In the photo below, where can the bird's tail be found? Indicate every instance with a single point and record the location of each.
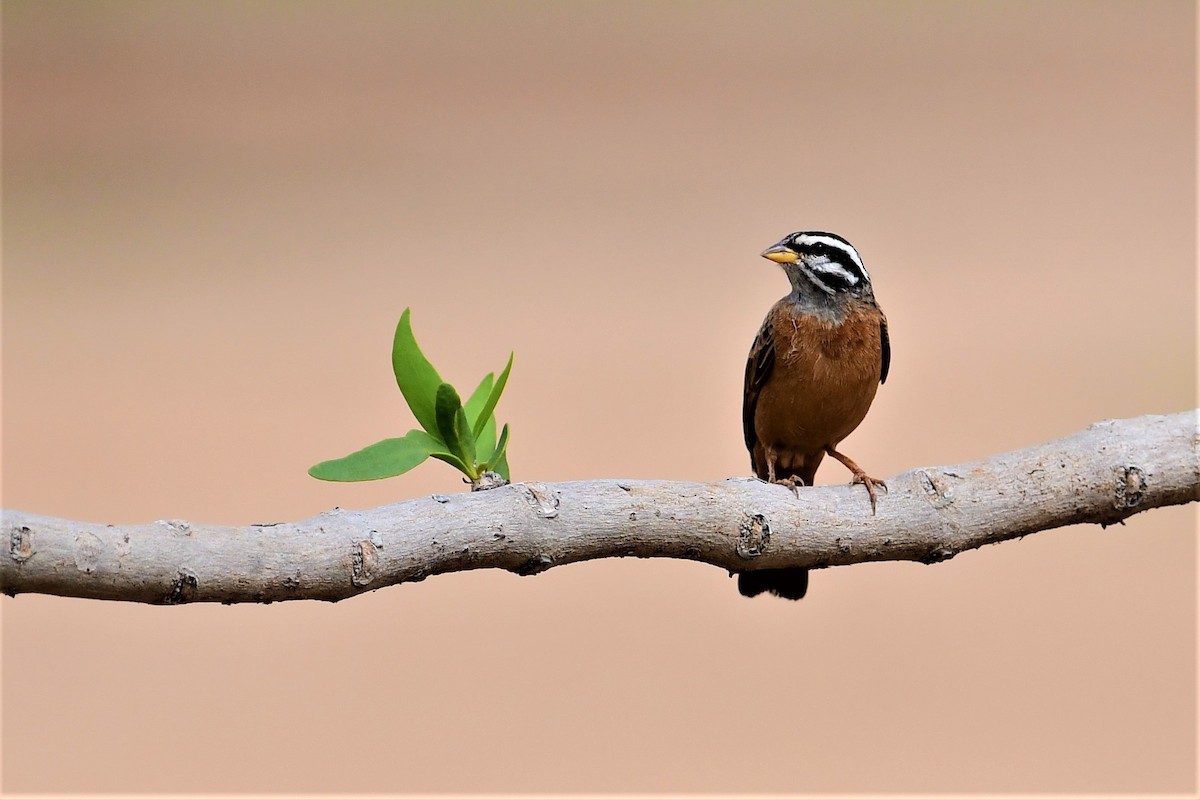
(790, 583)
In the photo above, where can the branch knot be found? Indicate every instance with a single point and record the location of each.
(1130, 487)
(754, 536)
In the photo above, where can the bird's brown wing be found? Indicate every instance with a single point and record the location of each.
(886, 347)
(758, 369)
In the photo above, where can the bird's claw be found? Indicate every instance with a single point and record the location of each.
(793, 482)
(870, 483)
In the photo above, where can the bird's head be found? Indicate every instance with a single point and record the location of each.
(822, 261)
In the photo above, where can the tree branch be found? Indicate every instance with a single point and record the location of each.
(1101, 475)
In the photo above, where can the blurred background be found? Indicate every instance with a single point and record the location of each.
(214, 214)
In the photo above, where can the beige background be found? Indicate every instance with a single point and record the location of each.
(215, 213)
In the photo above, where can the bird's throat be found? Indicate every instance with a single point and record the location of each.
(810, 299)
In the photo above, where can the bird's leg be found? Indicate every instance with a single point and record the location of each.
(791, 481)
(859, 475)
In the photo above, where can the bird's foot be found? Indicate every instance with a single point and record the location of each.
(869, 482)
(859, 475)
(793, 482)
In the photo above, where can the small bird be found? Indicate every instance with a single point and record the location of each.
(813, 370)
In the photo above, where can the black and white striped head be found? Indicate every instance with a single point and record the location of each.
(825, 260)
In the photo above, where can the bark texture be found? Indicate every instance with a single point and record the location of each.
(1101, 475)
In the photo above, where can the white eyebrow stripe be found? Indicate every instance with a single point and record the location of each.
(840, 245)
(834, 268)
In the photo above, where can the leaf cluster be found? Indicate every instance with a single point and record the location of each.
(463, 436)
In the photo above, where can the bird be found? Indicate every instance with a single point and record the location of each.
(815, 365)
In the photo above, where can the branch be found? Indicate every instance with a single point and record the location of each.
(1101, 475)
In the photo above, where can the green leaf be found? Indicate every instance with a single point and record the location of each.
(493, 398)
(455, 462)
(478, 397)
(485, 442)
(416, 377)
(381, 460)
(501, 467)
(485, 439)
(453, 427)
(441, 452)
(501, 453)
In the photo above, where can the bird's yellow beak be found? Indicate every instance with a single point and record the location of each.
(780, 254)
